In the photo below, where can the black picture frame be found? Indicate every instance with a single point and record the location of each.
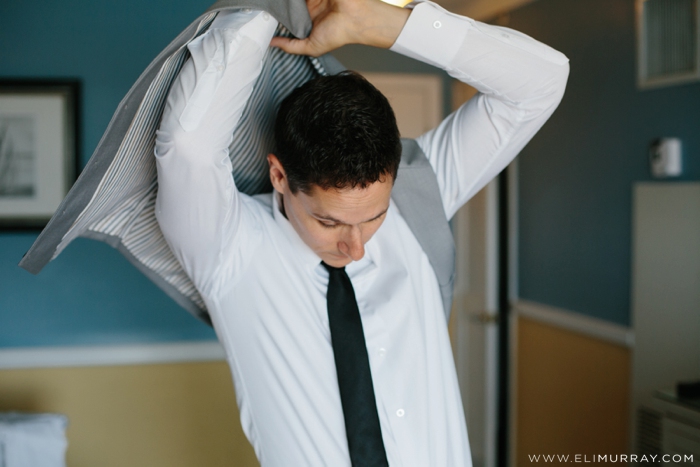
(39, 148)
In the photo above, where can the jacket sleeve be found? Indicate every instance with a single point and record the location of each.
(201, 213)
(520, 82)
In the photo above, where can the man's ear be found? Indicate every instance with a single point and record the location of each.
(278, 176)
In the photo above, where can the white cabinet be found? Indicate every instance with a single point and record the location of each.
(665, 292)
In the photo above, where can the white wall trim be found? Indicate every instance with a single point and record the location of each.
(572, 321)
(513, 227)
(136, 354)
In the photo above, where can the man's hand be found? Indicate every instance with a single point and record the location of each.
(340, 22)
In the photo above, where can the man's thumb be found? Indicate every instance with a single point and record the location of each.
(291, 46)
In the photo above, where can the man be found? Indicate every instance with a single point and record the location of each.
(266, 265)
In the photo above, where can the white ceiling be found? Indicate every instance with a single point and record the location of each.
(481, 9)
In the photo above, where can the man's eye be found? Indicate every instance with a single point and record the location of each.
(328, 226)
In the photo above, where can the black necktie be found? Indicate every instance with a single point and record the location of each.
(354, 377)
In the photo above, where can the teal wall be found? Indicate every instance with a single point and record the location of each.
(576, 175)
(91, 294)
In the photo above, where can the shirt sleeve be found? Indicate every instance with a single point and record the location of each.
(199, 210)
(520, 82)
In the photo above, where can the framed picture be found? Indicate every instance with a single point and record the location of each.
(38, 149)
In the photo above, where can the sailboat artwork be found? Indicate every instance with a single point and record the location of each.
(17, 157)
(38, 149)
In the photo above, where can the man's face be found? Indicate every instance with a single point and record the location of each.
(335, 223)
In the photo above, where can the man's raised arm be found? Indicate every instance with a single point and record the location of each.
(198, 206)
(521, 81)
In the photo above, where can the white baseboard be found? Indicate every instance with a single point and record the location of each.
(136, 354)
(576, 322)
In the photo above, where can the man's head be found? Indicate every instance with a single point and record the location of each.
(338, 152)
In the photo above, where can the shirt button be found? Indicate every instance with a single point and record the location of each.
(382, 352)
(437, 24)
(246, 10)
(220, 68)
(400, 413)
(266, 16)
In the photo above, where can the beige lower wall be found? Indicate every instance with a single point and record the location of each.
(169, 415)
(572, 398)
(572, 393)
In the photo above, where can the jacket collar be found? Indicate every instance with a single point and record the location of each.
(292, 14)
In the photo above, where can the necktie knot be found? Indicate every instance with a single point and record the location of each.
(332, 269)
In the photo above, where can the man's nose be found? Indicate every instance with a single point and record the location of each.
(352, 245)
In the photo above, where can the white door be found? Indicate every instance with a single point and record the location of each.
(474, 320)
(415, 98)
(473, 325)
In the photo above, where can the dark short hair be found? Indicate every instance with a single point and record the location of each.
(337, 132)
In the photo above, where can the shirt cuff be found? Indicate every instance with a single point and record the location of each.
(432, 35)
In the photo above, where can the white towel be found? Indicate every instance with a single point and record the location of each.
(32, 440)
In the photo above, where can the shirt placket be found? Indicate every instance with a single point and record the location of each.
(391, 410)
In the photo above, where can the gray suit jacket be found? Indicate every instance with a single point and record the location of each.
(114, 198)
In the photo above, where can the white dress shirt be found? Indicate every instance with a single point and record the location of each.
(265, 288)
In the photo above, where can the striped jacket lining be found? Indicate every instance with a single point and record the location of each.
(123, 206)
